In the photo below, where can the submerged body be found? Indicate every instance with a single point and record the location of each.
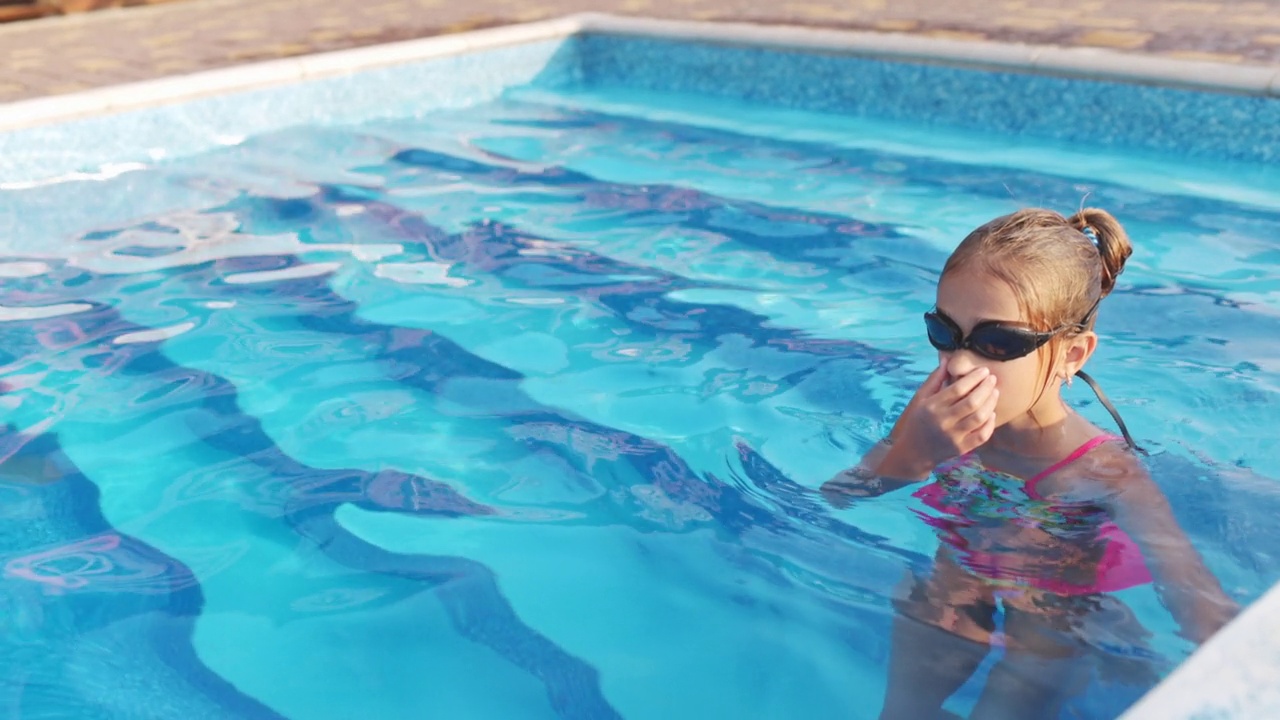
(1009, 532)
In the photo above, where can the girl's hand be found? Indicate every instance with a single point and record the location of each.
(941, 422)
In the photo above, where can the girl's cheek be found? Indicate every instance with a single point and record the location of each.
(1007, 384)
(1002, 405)
(1016, 383)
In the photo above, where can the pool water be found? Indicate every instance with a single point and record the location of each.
(517, 411)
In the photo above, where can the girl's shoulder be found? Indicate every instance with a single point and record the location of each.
(1099, 468)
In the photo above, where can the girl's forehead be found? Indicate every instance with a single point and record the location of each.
(970, 296)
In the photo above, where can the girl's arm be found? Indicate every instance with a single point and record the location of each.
(941, 422)
(1185, 584)
(877, 473)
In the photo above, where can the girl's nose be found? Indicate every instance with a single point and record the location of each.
(959, 364)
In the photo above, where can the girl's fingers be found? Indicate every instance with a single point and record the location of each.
(933, 383)
(986, 431)
(980, 415)
(988, 409)
(980, 436)
(963, 386)
(971, 402)
(924, 393)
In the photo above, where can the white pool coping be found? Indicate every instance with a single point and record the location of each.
(253, 76)
(1234, 675)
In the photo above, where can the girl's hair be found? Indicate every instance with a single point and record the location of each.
(1053, 264)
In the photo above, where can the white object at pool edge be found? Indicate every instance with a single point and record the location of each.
(1234, 675)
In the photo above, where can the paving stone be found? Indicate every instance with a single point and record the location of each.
(73, 52)
(1122, 39)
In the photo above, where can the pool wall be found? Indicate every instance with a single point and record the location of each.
(51, 138)
(1085, 96)
(987, 96)
(1073, 95)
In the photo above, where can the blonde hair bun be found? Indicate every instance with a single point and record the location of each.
(1111, 240)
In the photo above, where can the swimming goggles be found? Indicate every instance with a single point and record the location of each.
(993, 339)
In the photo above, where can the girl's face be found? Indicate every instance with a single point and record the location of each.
(969, 296)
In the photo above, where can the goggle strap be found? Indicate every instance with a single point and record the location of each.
(1115, 415)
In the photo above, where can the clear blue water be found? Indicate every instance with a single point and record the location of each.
(516, 411)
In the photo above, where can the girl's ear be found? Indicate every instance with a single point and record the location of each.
(1078, 351)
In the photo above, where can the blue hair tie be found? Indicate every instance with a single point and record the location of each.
(1089, 233)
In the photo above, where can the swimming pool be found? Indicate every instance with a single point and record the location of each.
(513, 409)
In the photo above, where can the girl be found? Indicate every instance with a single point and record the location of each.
(1040, 514)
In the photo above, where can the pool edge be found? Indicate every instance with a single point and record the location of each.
(1233, 675)
(113, 99)
(1069, 62)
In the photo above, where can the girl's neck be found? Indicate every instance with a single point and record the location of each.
(1043, 431)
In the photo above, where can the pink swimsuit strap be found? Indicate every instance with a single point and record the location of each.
(1074, 456)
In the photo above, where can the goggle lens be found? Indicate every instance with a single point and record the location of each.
(1000, 343)
(942, 335)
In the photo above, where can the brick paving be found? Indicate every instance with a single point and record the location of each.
(77, 52)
